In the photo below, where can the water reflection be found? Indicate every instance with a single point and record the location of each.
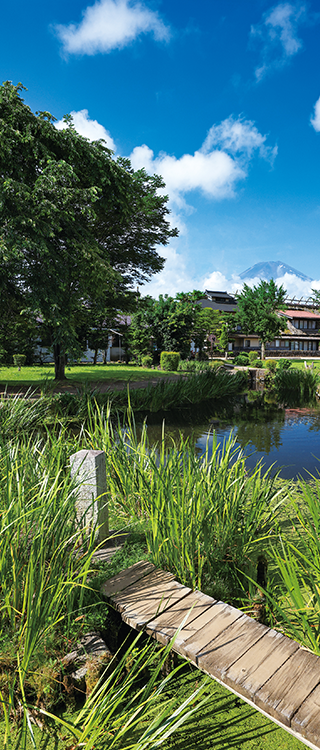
(288, 438)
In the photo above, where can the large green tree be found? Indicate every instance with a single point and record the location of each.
(76, 225)
(257, 311)
(166, 324)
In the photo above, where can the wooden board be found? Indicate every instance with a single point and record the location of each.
(266, 668)
(216, 621)
(164, 627)
(150, 596)
(283, 694)
(126, 578)
(252, 670)
(230, 644)
(307, 719)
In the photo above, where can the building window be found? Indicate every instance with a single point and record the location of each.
(247, 343)
(277, 342)
(287, 343)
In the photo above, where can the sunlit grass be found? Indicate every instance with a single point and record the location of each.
(38, 375)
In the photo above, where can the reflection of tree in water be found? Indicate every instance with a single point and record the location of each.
(264, 436)
(311, 418)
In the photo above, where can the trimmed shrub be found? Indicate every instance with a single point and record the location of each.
(169, 361)
(147, 360)
(242, 360)
(19, 360)
(271, 365)
(253, 356)
(258, 363)
(283, 364)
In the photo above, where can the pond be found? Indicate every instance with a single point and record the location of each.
(289, 439)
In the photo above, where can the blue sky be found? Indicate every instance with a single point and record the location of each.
(221, 97)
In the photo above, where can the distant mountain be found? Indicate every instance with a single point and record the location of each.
(272, 269)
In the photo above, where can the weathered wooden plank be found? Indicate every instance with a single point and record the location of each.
(152, 595)
(265, 667)
(282, 695)
(138, 593)
(215, 621)
(250, 672)
(164, 627)
(229, 645)
(307, 720)
(126, 578)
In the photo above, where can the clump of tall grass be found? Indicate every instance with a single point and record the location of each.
(41, 570)
(45, 568)
(22, 413)
(295, 593)
(193, 365)
(214, 383)
(205, 517)
(295, 387)
(126, 708)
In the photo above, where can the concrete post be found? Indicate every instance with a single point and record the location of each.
(89, 467)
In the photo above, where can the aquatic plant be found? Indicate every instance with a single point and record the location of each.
(203, 516)
(295, 387)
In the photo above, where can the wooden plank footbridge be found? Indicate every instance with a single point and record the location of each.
(268, 670)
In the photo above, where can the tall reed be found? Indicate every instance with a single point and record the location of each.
(295, 387)
(295, 593)
(201, 514)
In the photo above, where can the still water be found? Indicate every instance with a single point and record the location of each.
(289, 439)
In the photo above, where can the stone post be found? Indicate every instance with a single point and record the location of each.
(89, 467)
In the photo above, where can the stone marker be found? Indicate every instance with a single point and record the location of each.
(89, 467)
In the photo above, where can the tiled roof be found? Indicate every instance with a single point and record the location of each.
(301, 314)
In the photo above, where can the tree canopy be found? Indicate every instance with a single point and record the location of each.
(256, 311)
(172, 323)
(78, 228)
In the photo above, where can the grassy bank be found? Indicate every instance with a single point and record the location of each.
(38, 376)
(204, 518)
(25, 412)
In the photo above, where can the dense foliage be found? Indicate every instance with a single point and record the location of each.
(78, 227)
(256, 311)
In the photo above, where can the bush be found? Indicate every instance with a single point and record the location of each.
(193, 365)
(283, 364)
(242, 360)
(147, 360)
(253, 356)
(258, 363)
(271, 365)
(19, 360)
(169, 361)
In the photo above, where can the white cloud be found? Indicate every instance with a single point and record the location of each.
(220, 283)
(215, 168)
(315, 120)
(238, 136)
(278, 33)
(88, 128)
(175, 276)
(109, 25)
(297, 287)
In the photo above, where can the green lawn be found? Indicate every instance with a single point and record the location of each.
(38, 375)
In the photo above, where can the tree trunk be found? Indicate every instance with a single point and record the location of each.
(95, 356)
(263, 351)
(59, 362)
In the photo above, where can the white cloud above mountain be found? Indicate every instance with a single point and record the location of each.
(277, 33)
(108, 25)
